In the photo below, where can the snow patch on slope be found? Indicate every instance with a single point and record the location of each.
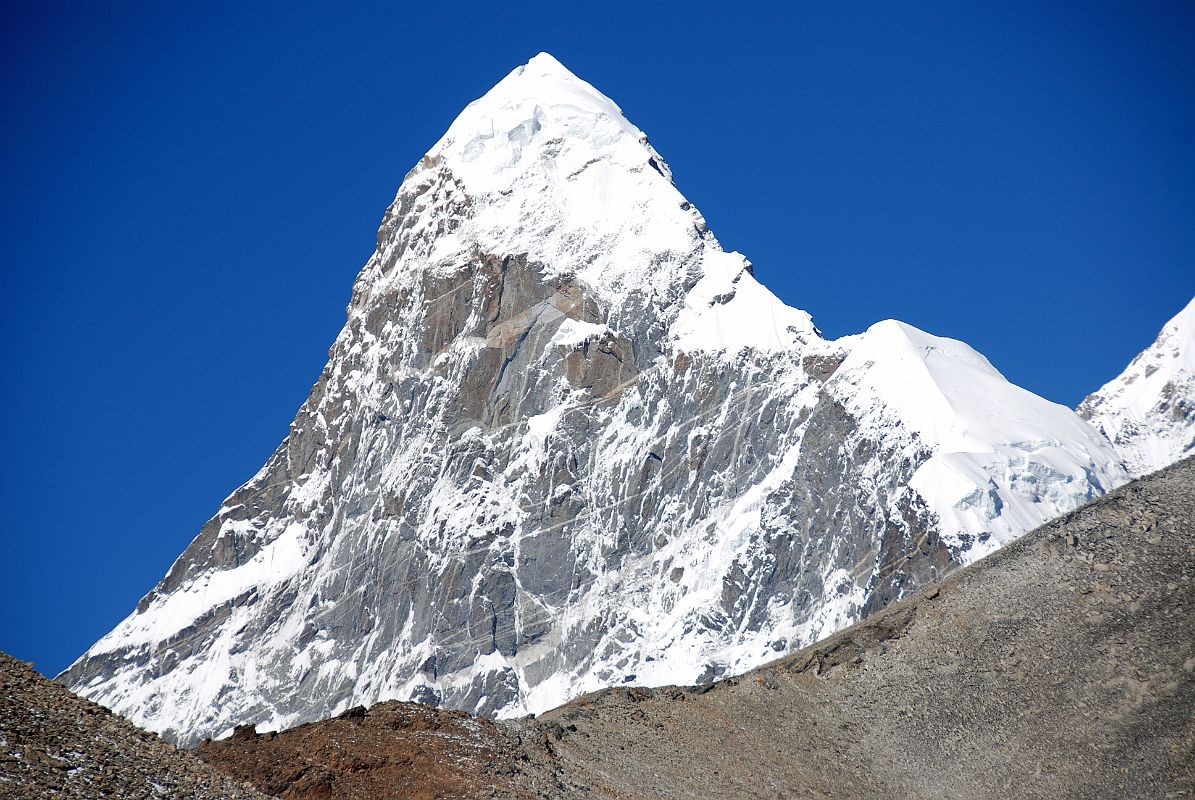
(170, 613)
(728, 310)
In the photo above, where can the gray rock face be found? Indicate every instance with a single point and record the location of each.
(566, 441)
(1061, 667)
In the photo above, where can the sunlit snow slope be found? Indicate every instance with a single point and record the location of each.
(564, 441)
(1148, 411)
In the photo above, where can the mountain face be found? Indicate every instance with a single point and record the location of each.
(566, 441)
(1009, 679)
(1148, 411)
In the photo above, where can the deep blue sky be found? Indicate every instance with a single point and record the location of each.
(188, 193)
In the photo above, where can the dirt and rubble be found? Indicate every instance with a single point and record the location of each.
(54, 744)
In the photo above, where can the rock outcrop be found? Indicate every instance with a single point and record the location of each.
(392, 750)
(54, 744)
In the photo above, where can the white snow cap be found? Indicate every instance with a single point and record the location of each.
(491, 141)
(551, 164)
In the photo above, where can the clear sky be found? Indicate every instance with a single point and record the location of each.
(190, 189)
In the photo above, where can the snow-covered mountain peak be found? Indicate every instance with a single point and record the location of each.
(540, 112)
(546, 166)
(565, 440)
(1148, 411)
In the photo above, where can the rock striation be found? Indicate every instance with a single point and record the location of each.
(566, 441)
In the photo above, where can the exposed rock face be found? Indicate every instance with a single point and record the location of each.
(1148, 411)
(1062, 666)
(54, 744)
(566, 441)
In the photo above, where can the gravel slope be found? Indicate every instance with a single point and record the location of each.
(55, 744)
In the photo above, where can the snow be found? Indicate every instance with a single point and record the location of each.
(1005, 460)
(1148, 411)
(573, 332)
(169, 614)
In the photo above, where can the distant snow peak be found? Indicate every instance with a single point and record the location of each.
(1003, 459)
(1148, 411)
(565, 440)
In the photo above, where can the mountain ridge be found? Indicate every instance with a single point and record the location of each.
(1148, 411)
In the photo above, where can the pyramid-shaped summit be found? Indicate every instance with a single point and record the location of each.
(552, 170)
(564, 441)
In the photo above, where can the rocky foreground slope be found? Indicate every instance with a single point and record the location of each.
(54, 744)
(1063, 666)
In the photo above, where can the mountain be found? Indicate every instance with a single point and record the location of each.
(565, 441)
(1148, 411)
(1062, 666)
(54, 744)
